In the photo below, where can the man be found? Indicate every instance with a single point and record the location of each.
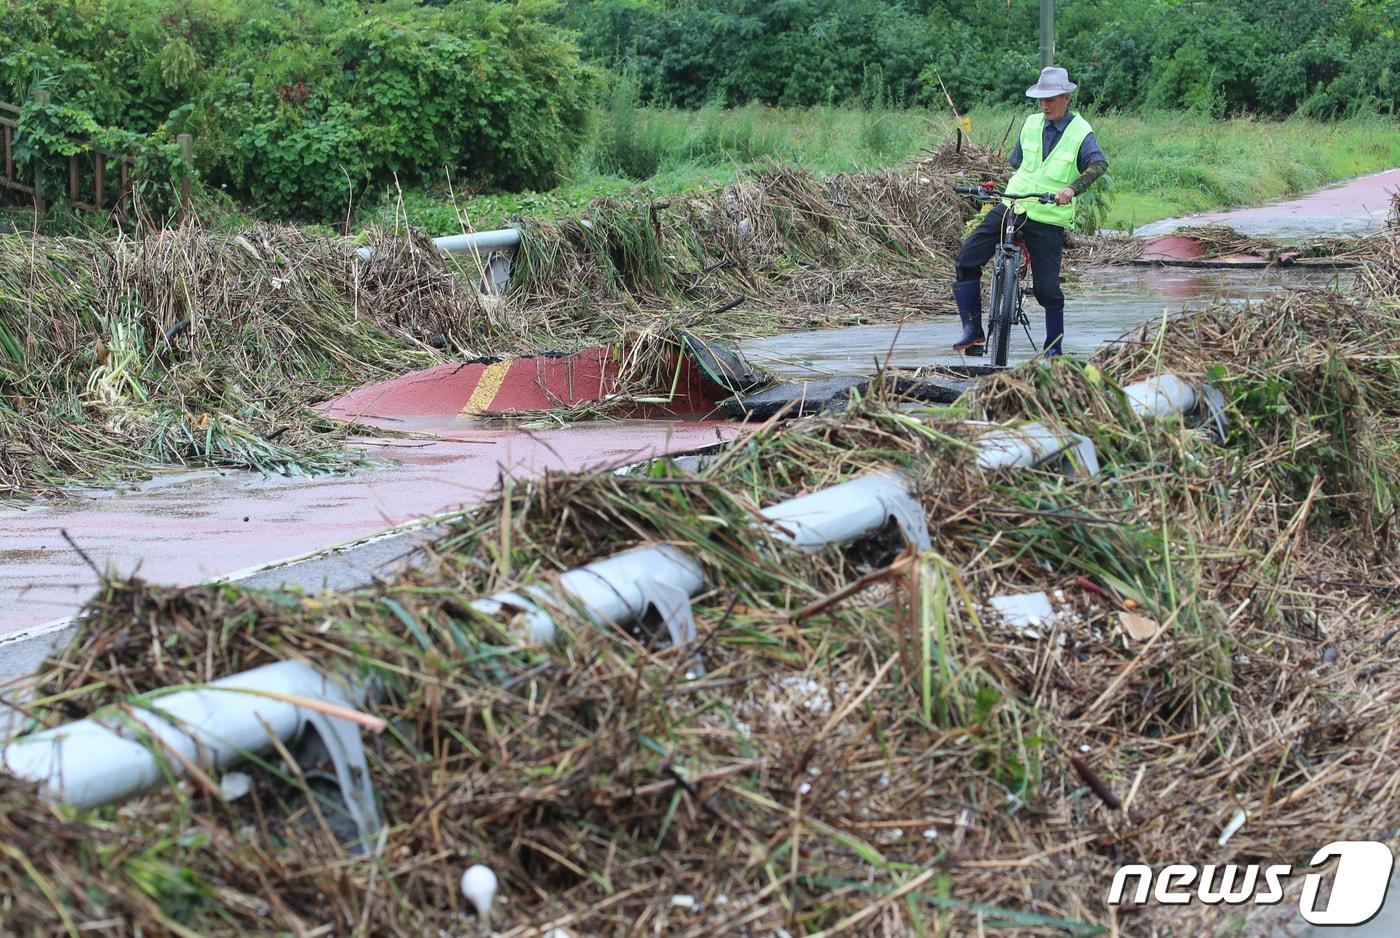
(1057, 153)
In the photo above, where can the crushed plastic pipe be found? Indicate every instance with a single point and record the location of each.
(1033, 444)
(122, 751)
(1161, 396)
(611, 591)
(661, 578)
(846, 511)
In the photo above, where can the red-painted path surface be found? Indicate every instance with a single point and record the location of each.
(194, 526)
(197, 526)
(513, 385)
(1176, 249)
(1352, 207)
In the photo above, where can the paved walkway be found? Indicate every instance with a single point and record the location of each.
(192, 526)
(1349, 208)
(1100, 307)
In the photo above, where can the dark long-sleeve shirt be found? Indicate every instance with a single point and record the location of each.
(1089, 152)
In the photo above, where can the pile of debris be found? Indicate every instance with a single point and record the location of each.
(197, 347)
(877, 244)
(1215, 243)
(192, 347)
(856, 742)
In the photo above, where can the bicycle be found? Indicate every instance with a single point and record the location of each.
(1010, 269)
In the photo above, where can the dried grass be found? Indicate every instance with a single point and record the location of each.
(192, 347)
(896, 761)
(1219, 241)
(784, 240)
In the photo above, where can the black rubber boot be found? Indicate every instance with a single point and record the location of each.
(968, 295)
(1054, 332)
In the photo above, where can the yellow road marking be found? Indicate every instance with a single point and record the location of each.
(491, 380)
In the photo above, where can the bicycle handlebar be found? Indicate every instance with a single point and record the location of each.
(989, 192)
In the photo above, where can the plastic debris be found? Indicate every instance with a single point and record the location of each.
(235, 785)
(479, 885)
(1024, 610)
(1236, 822)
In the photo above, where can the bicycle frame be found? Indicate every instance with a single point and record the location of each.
(1010, 263)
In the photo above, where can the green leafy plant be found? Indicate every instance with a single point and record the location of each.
(300, 106)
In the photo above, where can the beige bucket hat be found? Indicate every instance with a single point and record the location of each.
(1053, 81)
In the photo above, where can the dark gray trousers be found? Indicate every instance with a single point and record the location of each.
(1046, 244)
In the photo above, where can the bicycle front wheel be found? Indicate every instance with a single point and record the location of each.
(1003, 310)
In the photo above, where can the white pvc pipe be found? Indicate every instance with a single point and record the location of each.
(614, 590)
(475, 242)
(117, 753)
(1161, 396)
(539, 623)
(621, 588)
(479, 242)
(608, 589)
(1030, 444)
(846, 511)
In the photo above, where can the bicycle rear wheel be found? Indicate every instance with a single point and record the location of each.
(1003, 310)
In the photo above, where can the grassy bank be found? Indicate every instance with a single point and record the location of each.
(1162, 164)
(1169, 164)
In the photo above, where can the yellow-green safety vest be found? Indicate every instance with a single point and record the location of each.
(1048, 174)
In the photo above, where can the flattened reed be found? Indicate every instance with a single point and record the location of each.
(194, 347)
(886, 759)
(189, 347)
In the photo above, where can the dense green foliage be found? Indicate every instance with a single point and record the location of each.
(1324, 57)
(791, 52)
(311, 108)
(300, 105)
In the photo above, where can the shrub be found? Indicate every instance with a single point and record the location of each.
(634, 141)
(301, 104)
(1212, 56)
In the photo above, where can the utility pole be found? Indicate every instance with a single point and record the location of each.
(1047, 33)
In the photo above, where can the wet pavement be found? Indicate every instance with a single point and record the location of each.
(1104, 304)
(1101, 307)
(187, 527)
(1351, 208)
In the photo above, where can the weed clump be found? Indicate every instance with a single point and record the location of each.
(190, 347)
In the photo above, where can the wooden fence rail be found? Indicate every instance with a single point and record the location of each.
(102, 192)
(9, 123)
